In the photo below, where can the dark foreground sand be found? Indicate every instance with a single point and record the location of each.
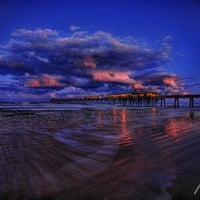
(99, 154)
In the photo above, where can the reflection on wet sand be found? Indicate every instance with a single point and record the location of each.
(114, 115)
(99, 154)
(178, 127)
(125, 136)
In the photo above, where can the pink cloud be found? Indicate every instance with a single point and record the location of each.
(137, 86)
(172, 81)
(170, 90)
(89, 62)
(44, 81)
(52, 95)
(113, 76)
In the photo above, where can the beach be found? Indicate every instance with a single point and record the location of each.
(99, 152)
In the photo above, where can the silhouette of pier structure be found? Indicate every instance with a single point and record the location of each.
(177, 98)
(138, 98)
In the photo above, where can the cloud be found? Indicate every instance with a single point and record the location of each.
(45, 60)
(89, 62)
(171, 81)
(168, 38)
(42, 33)
(74, 28)
(137, 86)
(162, 82)
(70, 91)
(113, 76)
(170, 90)
(85, 61)
(44, 81)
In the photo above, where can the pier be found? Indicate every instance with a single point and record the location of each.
(177, 99)
(138, 98)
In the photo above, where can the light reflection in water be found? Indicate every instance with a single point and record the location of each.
(126, 136)
(99, 114)
(153, 110)
(114, 115)
(177, 127)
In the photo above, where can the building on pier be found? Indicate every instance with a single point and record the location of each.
(137, 93)
(144, 94)
(120, 95)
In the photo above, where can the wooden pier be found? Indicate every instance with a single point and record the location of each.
(135, 99)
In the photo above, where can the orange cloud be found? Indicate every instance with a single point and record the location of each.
(89, 62)
(137, 86)
(109, 76)
(44, 81)
(170, 81)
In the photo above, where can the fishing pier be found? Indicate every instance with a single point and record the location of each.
(138, 98)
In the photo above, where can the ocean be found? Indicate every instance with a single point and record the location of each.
(99, 152)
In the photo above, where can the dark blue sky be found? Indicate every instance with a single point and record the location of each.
(66, 48)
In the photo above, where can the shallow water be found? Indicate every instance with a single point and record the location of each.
(99, 153)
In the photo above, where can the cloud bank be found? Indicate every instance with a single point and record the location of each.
(46, 64)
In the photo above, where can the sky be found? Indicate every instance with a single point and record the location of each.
(58, 49)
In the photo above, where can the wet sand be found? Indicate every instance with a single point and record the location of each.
(99, 153)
